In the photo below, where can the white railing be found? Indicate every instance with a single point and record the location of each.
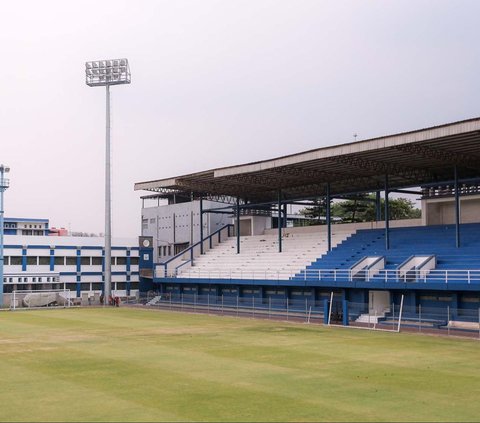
(31, 278)
(335, 275)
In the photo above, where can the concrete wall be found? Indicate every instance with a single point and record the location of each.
(441, 211)
(252, 225)
(179, 223)
(348, 227)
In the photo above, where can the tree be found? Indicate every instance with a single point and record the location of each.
(362, 209)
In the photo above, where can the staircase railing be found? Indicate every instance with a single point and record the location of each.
(185, 258)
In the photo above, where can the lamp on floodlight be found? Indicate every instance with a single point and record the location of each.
(4, 184)
(103, 73)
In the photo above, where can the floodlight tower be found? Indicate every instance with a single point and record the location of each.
(4, 184)
(103, 73)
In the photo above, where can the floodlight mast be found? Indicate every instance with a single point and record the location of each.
(4, 184)
(101, 73)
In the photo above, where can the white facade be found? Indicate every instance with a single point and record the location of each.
(177, 226)
(72, 263)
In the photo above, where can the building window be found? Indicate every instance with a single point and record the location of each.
(96, 261)
(16, 260)
(44, 261)
(121, 261)
(134, 261)
(59, 261)
(169, 250)
(71, 261)
(178, 248)
(32, 260)
(85, 261)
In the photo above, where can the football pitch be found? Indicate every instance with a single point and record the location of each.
(140, 365)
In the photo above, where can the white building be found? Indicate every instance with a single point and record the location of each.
(72, 263)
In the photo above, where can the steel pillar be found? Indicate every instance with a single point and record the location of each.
(457, 208)
(201, 225)
(328, 218)
(378, 207)
(238, 225)
(387, 216)
(279, 208)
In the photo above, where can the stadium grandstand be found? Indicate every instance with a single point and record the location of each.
(223, 232)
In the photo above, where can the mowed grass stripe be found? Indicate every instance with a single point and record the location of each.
(126, 364)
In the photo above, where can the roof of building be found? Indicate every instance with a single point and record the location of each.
(24, 219)
(410, 158)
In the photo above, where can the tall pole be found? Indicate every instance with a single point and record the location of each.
(2, 189)
(108, 203)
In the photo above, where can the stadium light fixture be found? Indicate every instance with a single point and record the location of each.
(103, 73)
(4, 184)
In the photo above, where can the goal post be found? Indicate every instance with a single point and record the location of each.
(395, 325)
(41, 298)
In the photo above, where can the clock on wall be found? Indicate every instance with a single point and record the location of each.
(146, 241)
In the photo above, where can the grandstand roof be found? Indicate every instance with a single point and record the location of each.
(410, 159)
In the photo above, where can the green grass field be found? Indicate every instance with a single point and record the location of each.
(141, 365)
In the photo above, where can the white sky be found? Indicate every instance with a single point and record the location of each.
(214, 83)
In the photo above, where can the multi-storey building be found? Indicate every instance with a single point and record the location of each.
(25, 226)
(72, 263)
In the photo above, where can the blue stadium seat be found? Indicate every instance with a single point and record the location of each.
(404, 242)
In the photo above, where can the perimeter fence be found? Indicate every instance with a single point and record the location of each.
(446, 320)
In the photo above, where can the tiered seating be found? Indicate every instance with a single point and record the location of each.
(259, 257)
(404, 242)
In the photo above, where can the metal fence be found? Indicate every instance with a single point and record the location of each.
(330, 311)
(333, 275)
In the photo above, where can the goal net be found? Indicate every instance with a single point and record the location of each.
(41, 298)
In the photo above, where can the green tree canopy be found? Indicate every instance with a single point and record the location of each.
(362, 209)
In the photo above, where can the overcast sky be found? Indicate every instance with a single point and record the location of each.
(214, 83)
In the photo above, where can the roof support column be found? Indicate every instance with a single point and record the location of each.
(238, 225)
(387, 216)
(201, 225)
(457, 207)
(378, 206)
(328, 218)
(279, 208)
